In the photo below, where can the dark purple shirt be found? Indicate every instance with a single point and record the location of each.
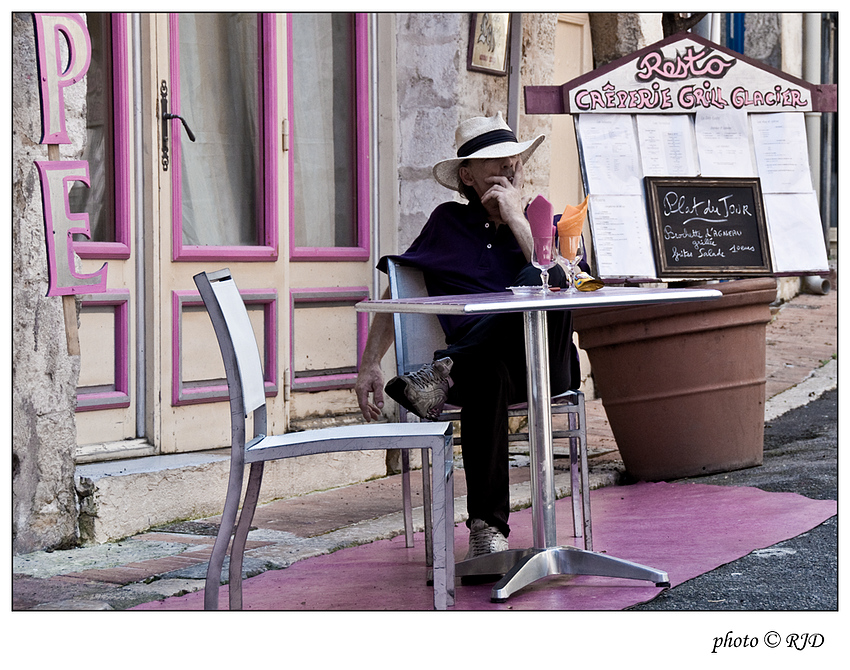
(461, 251)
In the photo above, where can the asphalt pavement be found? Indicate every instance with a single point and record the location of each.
(800, 574)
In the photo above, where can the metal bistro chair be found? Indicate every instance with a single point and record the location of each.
(247, 395)
(417, 337)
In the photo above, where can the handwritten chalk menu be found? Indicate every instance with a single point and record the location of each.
(705, 227)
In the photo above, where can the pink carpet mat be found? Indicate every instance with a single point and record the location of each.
(683, 529)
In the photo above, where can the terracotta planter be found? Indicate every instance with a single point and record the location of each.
(683, 385)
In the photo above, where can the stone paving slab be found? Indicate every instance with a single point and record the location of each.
(802, 336)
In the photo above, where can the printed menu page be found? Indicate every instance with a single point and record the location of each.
(610, 153)
(782, 153)
(723, 143)
(796, 235)
(667, 145)
(621, 237)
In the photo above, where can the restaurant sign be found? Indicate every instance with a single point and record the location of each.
(681, 75)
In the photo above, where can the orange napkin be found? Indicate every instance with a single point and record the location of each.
(572, 220)
(570, 225)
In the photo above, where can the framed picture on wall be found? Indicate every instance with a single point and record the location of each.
(488, 43)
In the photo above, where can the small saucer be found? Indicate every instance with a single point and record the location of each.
(525, 290)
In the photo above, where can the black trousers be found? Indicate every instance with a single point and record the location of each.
(489, 373)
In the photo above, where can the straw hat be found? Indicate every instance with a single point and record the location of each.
(482, 137)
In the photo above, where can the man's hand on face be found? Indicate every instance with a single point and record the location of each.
(503, 198)
(504, 202)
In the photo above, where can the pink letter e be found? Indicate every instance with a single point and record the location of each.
(60, 224)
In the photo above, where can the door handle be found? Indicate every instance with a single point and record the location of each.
(166, 117)
(189, 132)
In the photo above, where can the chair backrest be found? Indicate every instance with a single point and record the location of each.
(235, 335)
(417, 336)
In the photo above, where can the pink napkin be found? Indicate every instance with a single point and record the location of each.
(539, 215)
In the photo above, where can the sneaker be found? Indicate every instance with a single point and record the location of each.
(423, 392)
(485, 539)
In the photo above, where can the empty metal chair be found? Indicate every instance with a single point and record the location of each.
(247, 396)
(417, 337)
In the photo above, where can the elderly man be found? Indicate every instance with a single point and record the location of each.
(478, 247)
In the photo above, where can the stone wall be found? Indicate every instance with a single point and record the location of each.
(617, 34)
(763, 38)
(44, 376)
(436, 92)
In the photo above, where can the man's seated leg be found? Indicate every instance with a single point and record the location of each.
(483, 387)
(484, 391)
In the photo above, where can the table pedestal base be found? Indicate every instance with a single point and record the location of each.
(522, 567)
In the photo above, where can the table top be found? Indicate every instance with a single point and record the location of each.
(491, 303)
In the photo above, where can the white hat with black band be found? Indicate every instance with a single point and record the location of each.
(482, 137)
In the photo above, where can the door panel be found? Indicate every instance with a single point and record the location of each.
(218, 208)
(330, 163)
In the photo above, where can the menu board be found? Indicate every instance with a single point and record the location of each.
(762, 156)
(705, 227)
(726, 133)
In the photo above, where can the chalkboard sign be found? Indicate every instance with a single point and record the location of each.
(708, 227)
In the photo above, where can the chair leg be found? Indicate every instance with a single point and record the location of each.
(426, 507)
(585, 476)
(222, 540)
(237, 549)
(575, 492)
(580, 476)
(443, 537)
(407, 505)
